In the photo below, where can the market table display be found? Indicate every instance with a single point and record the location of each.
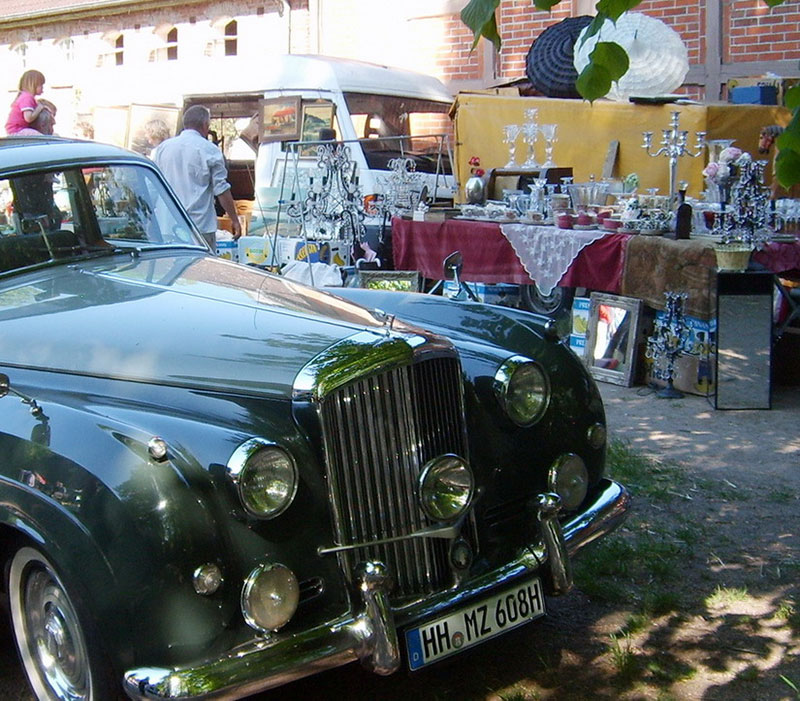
(633, 265)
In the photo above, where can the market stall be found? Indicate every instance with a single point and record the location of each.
(586, 130)
(632, 265)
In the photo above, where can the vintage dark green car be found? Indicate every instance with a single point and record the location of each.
(214, 480)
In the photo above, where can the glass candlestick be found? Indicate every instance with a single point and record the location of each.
(549, 133)
(530, 131)
(510, 134)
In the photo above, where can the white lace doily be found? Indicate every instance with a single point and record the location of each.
(547, 252)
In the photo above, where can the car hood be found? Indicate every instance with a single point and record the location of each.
(186, 319)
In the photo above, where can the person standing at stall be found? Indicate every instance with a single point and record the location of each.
(26, 107)
(195, 168)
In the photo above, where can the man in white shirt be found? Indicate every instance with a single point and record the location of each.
(195, 169)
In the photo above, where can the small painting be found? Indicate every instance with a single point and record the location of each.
(280, 119)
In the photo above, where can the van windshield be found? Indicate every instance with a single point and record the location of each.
(407, 126)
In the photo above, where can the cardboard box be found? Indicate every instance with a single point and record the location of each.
(504, 294)
(580, 325)
(755, 95)
(781, 85)
(291, 248)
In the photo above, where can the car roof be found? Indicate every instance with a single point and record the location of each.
(24, 152)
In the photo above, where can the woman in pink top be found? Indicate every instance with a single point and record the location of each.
(25, 107)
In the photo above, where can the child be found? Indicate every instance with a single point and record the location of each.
(25, 108)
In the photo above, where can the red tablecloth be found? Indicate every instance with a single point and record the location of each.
(489, 257)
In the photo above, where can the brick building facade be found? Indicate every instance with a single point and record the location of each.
(116, 51)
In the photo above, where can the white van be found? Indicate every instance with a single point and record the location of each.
(379, 112)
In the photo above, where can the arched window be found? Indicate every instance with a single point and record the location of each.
(231, 38)
(119, 50)
(172, 44)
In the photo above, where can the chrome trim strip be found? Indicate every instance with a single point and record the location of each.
(367, 634)
(370, 352)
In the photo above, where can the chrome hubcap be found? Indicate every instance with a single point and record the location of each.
(47, 630)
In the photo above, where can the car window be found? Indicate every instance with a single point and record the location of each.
(54, 215)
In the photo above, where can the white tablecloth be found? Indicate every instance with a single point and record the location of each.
(547, 252)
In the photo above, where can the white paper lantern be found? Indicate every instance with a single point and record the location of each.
(658, 57)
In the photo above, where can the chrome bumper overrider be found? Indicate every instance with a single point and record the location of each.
(370, 635)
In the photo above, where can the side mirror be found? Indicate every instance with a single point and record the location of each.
(452, 265)
(5, 385)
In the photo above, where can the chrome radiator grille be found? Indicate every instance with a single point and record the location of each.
(379, 432)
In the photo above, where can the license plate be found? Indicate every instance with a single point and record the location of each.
(473, 624)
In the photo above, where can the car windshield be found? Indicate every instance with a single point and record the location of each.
(62, 214)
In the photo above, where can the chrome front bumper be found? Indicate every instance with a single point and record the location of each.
(370, 634)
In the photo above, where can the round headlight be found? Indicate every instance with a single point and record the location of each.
(265, 477)
(446, 486)
(569, 478)
(523, 390)
(269, 597)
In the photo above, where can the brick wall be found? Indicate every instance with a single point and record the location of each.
(758, 33)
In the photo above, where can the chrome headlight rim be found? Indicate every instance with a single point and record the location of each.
(567, 468)
(253, 580)
(502, 384)
(237, 469)
(429, 490)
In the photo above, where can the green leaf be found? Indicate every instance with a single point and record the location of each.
(773, 3)
(478, 15)
(615, 8)
(787, 168)
(593, 27)
(594, 82)
(792, 97)
(790, 139)
(612, 57)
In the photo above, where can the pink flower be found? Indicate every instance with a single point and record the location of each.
(475, 161)
(730, 154)
(710, 171)
(479, 172)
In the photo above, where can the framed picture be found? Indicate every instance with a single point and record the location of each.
(316, 116)
(395, 280)
(280, 119)
(612, 337)
(149, 125)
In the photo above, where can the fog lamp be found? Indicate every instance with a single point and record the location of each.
(269, 597)
(446, 486)
(569, 478)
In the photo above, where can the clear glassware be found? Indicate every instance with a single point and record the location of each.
(549, 133)
(566, 180)
(510, 134)
(530, 131)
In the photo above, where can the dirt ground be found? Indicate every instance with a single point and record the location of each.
(740, 490)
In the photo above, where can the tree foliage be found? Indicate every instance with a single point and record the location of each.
(608, 62)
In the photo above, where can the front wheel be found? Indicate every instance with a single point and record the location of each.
(557, 302)
(50, 638)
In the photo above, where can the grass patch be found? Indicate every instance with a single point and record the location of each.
(780, 496)
(623, 657)
(644, 476)
(725, 596)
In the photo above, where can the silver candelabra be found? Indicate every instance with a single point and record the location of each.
(673, 146)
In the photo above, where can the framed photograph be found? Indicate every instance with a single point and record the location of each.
(280, 119)
(613, 337)
(149, 125)
(395, 280)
